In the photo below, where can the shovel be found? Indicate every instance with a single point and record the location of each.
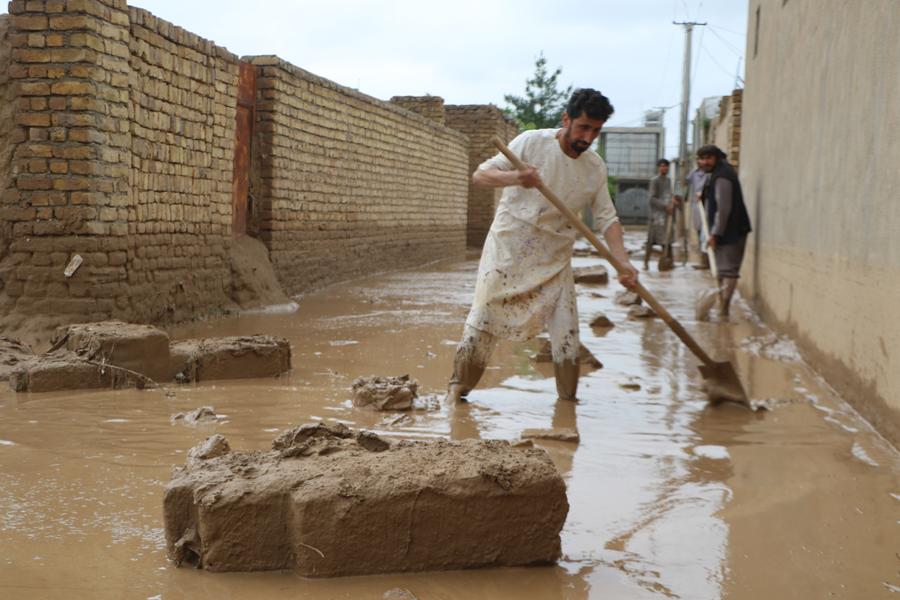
(722, 383)
(707, 299)
(666, 261)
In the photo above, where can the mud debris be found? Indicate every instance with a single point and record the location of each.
(12, 354)
(560, 434)
(399, 594)
(638, 311)
(204, 414)
(212, 447)
(432, 505)
(585, 357)
(593, 275)
(626, 298)
(114, 354)
(601, 321)
(385, 393)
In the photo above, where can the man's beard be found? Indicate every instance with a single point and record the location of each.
(578, 146)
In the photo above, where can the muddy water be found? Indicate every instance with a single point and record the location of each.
(669, 498)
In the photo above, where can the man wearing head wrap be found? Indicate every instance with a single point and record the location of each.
(728, 218)
(525, 282)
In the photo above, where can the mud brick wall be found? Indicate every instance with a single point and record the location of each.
(69, 187)
(183, 98)
(430, 107)
(350, 185)
(480, 123)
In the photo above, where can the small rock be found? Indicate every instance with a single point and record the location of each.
(626, 298)
(631, 387)
(602, 321)
(640, 312)
(211, 447)
(299, 435)
(561, 434)
(522, 444)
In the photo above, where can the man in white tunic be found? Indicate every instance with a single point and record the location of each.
(525, 281)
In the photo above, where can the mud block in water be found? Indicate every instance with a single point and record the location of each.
(13, 354)
(640, 312)
(238, 357)
(67, 371)
(596, 274)
(385, 393)
(141, 348)
(602, 321)
(626, 298)
(324, 505)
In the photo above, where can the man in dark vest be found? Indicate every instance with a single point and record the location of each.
(729, 222)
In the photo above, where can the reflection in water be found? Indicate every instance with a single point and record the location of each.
(669, 498)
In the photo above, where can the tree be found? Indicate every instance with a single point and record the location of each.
(543, 104)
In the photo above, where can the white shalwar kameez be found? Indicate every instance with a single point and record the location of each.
(525, 282)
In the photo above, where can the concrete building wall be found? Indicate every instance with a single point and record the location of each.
(819, 156)
(349, 184)
(480, 123)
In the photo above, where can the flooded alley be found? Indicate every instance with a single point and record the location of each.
(669, 497)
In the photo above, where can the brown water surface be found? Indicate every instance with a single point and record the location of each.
(670, 498)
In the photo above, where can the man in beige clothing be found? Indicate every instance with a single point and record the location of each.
(525, 281)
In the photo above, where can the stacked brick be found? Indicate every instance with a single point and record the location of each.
(430, 107)
(69, 191)
(183, 97)
(480, 123)
(117, 141)
(734, 147)
(350, 185)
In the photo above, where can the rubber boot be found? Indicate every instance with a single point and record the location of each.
(466, 374)
(728, 285)
(566, 374)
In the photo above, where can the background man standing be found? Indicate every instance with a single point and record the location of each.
(525, 282)
(662, 205)
(728, 218)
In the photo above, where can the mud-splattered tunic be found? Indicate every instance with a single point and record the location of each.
(525, 274)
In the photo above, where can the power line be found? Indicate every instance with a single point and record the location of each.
(743, 34)
(728, 44)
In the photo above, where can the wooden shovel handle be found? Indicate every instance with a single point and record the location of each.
(577, 223)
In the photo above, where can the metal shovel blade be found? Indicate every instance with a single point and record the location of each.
(722, 384)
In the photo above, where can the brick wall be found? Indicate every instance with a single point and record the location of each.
(480, 123)
(117, 145)
(183, 97)
(430, 107)
(349, 184)
(69, 192)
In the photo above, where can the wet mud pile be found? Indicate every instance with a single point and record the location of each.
(113, 354)
(385, 393)
(329, 501)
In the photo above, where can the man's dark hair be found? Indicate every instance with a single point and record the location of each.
(710, 150)
(590, 102)
(662, 161)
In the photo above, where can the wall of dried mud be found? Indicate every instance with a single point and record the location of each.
(481, 123)
(121, 144)
(350, 184)
(819, 158)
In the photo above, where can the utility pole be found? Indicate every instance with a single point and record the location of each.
(685, 105)
(685, 96)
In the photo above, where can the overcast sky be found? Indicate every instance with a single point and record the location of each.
(475, 51)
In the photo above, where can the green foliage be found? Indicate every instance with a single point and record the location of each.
(543, 104)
